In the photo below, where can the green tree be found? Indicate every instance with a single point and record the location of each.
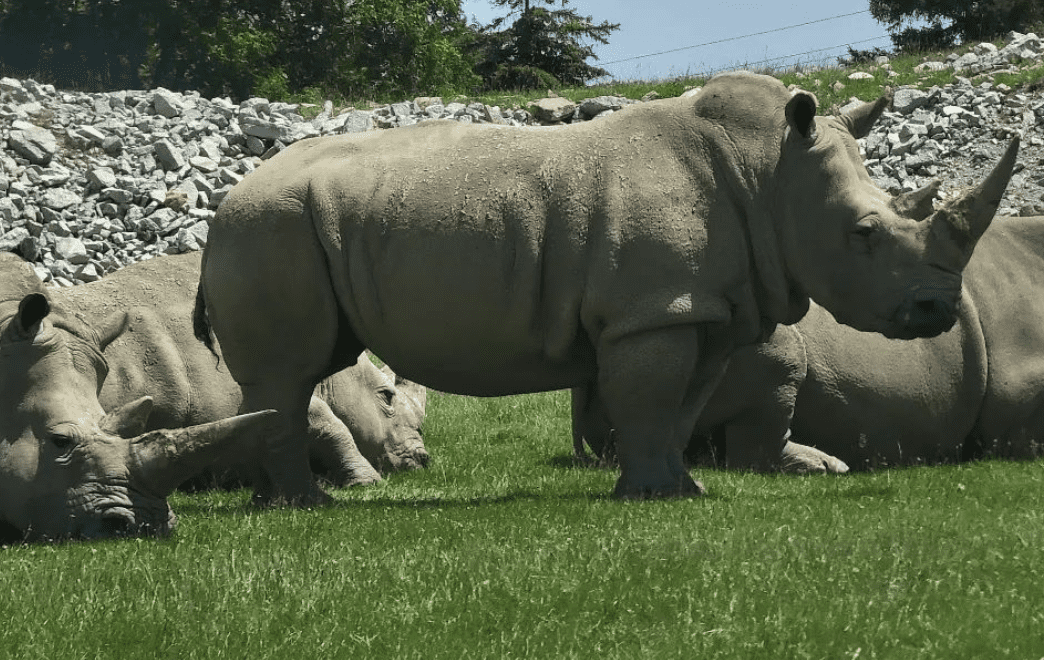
(541, 48)
(357, 48)
(967, 21)
(406, 47)
(86, 45)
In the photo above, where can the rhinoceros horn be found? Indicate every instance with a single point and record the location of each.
(968, 216)
(164, 459)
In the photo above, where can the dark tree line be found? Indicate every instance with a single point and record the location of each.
(952, 21)
(353, 48)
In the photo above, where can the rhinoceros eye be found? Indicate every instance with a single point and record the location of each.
(63, 436)
(61, 440)
(387, 398)
(864, 235)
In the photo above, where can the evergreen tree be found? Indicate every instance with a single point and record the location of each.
(542, 47)
(969, 20)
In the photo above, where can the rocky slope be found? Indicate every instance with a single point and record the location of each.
(92, 182)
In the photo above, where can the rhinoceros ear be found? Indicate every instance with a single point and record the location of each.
(128, 420)
(860, 121)
(111, 327)
(801, 113)
(33, 309)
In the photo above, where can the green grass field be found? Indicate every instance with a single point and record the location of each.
(504, 548)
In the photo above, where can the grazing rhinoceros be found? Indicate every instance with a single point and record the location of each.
(872, 401)
(68, 469)
(635, 253)
(358, 409)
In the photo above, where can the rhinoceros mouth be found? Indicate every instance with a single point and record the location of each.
(924, 317)
(112, 513)
(118, 521)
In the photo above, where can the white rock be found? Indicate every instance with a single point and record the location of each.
(167, 103)
(59, 198)
(71, 249)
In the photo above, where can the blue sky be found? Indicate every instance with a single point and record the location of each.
(654, 26)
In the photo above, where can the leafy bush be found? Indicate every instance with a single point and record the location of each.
(856, 56)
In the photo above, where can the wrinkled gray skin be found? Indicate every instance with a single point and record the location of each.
(876, 402)
(749, 424)
(632, 255)
(359, 419)
(68, 469)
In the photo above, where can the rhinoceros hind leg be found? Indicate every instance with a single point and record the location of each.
(591, 427)
(288, 474)
(278, 329)
(654, 385)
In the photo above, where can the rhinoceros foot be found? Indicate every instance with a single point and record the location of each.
(266, 499)
(802, 459)
(664, 479)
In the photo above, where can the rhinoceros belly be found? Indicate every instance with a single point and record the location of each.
(465, 311)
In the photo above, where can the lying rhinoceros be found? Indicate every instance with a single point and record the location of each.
(358, 409)
(68, 469)
(980, 386)
(635, 253)
(871, 401)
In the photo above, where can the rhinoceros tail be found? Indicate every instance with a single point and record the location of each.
(201, 322)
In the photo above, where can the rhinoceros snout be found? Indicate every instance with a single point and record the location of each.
(421, 457)
(117, 526)
(926, 318)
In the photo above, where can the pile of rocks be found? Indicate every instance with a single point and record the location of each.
(92, 182)
(957, 133)
(986, 57)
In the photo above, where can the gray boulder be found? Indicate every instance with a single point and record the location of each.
(35, 144)
(553, 109)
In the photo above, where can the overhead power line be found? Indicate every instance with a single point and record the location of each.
(807, 52)
(744, 36)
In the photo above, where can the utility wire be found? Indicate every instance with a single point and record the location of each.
(807, 52)
(721, 41)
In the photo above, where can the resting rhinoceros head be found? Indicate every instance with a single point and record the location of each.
(876, 263)
(68, 469)
(383, 411)
(408, 408)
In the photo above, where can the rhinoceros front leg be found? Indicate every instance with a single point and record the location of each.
(591, 426)
(332, 446)
(654, 385)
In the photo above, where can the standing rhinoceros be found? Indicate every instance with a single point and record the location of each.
(68, 469)
(358, 409)
(872, 401)
(635, 253)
